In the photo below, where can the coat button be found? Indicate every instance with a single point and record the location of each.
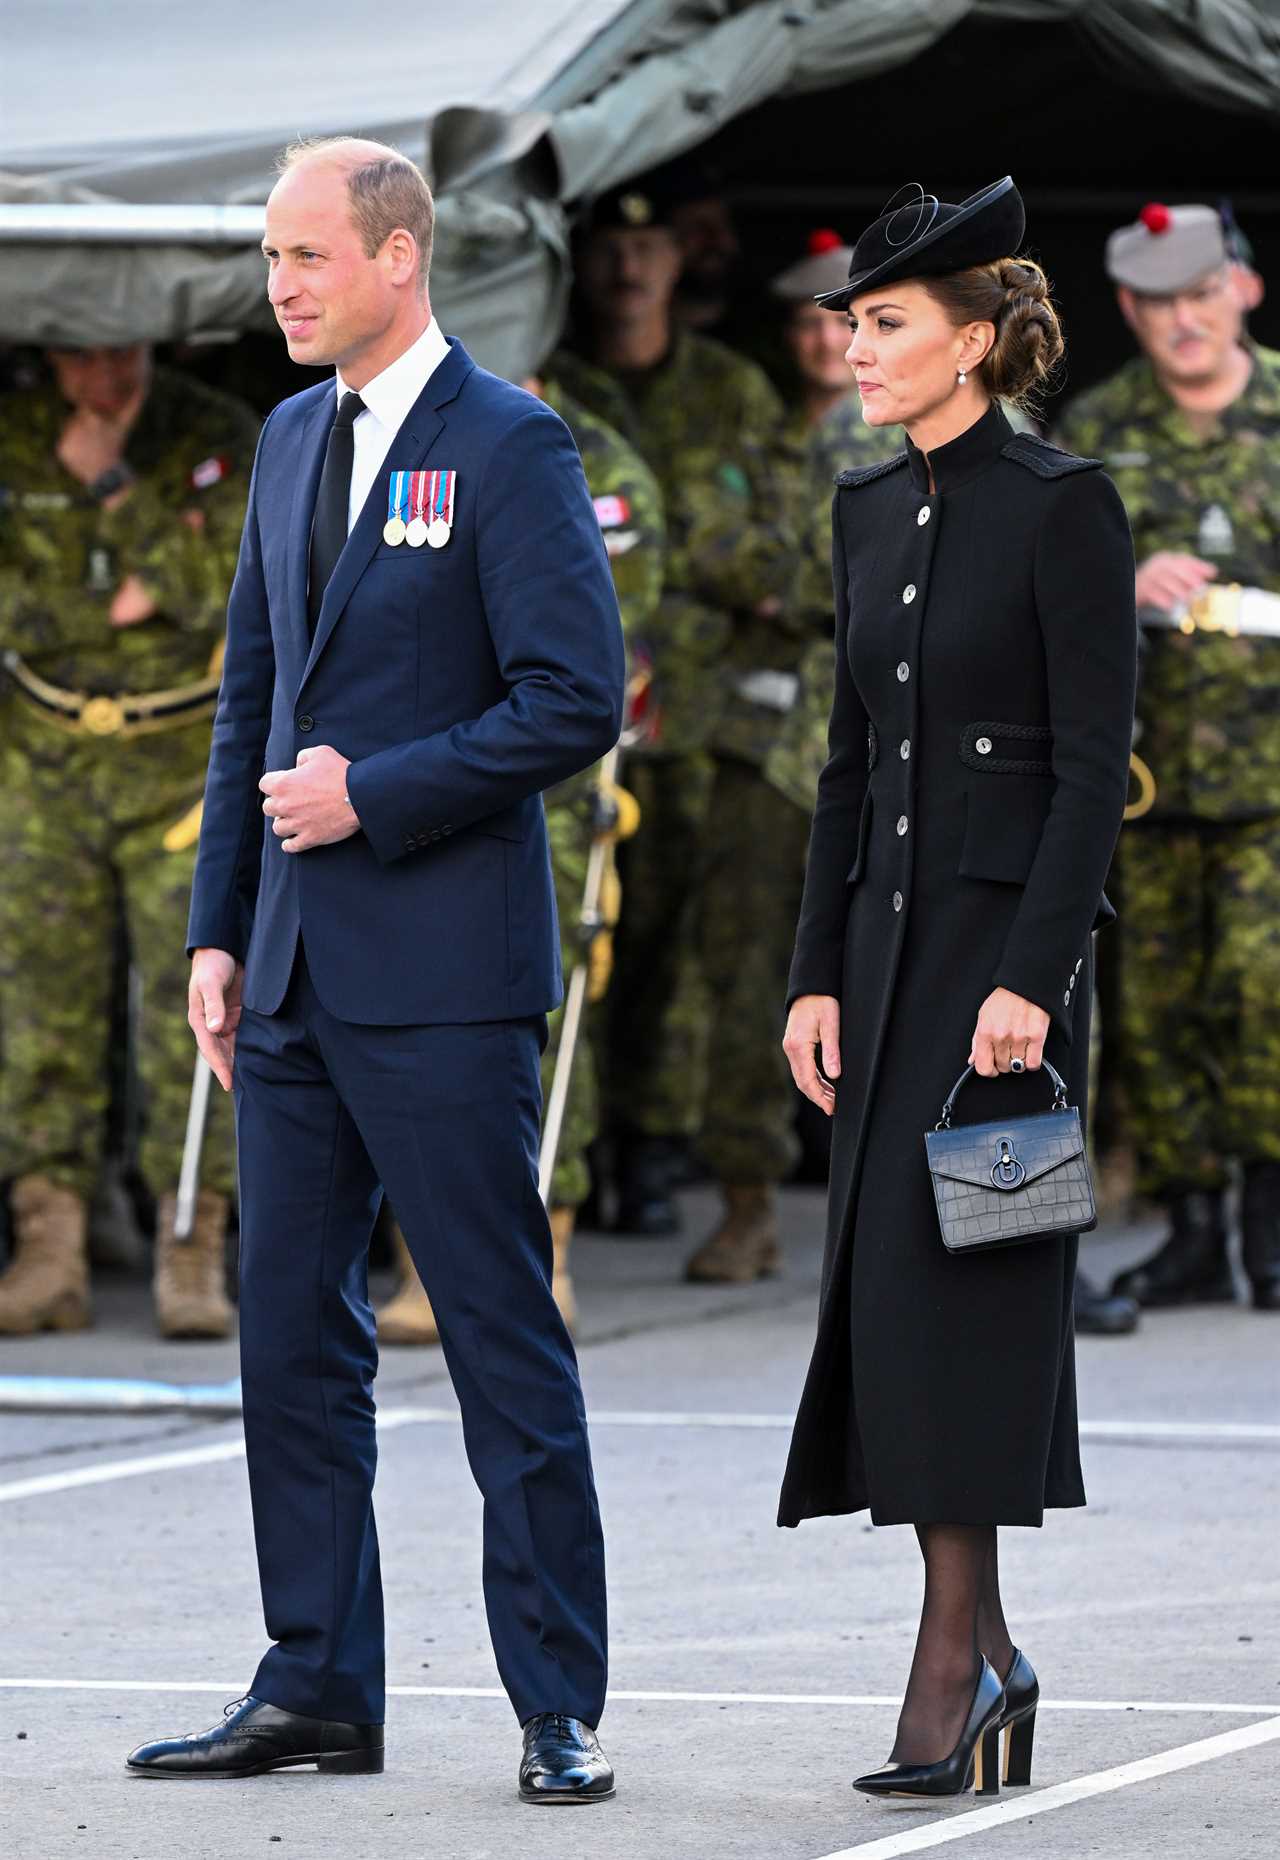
(902, 825)
(904, 672)
(1066, 999)
(1080, 965)
(897, 900)
(909, 594)
(446, 831)
(904, 749)
(923, 515)
(409, 842)
(983, 745)
(306, 723)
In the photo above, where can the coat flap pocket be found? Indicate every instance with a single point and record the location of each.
(1004, 819)
(1006, 1156)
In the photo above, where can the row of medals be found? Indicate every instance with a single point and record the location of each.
(416, 532)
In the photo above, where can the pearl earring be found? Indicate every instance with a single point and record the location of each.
(961, 376)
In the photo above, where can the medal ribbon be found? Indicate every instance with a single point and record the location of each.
(418, 495)
(397, 490)
(440, 495)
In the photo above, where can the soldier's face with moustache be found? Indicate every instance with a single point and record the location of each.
(1191, 335)
(629, 273)
(817, 341)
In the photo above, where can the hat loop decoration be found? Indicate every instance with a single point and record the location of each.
(918, 236)
(895, 207)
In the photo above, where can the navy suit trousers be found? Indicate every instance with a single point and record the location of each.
(446, 1119)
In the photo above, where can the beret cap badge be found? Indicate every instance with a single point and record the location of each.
(636, 209)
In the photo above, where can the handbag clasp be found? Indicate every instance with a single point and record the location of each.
(1007, 1171)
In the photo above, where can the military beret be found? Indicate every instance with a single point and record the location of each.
(631, 209)
(824, 267)
(919, 236)
(1166, 249)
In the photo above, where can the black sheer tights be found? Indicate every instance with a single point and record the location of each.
(962, 1618)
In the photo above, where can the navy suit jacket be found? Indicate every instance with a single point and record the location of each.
(461, 682)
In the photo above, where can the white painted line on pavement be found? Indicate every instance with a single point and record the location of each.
(103, 1474)
(1186, 1431)
(1061, 1795)
(617, 1694)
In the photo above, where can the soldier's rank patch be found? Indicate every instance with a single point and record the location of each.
(210, 472)
(734, 479)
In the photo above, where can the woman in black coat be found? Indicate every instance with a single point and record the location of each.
(966, 817)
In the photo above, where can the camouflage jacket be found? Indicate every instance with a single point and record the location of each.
(817, 453)
(63, 557)
(707, 422)
(1208, 720)
(629, 508)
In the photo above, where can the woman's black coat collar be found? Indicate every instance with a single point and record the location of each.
(964, 457)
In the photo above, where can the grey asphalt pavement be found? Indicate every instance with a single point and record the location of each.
(755, 1670)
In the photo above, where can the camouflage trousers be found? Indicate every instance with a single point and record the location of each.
(82, 828)
(753, 877)
(654, 1036)
(1197, 1015)
(569, 828)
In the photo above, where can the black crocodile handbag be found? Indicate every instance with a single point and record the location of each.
(1023, 1179)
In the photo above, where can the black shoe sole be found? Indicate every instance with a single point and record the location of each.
(328, 1763)
(546, 1798)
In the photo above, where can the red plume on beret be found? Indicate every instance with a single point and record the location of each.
(824, 240)
(1155, 218)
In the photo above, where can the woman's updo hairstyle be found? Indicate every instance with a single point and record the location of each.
(1012, 293)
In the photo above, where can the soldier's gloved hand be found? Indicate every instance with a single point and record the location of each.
(813, 1023)
(1167, 580)
(213, 1009)
(133, 602)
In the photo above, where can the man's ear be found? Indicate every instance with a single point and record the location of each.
(1128, 306)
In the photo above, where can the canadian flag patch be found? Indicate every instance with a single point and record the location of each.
(611, 511)
(210, 472)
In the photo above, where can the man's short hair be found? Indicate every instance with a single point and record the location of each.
(387, 192)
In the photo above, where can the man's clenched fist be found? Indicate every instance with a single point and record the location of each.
(307, 805)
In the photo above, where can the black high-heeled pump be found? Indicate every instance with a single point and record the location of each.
(973, 1762)
(1018, 1720)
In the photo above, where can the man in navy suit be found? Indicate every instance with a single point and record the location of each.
(422, 636)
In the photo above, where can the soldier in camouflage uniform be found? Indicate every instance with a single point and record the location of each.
(122, 491)
(707, 423)
(1190, 432)
(769, 747)
(629, 508)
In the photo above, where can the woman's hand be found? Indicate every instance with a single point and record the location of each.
(814, 1021)
(1008, 1028)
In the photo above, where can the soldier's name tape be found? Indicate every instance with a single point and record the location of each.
(1231, 610)
(83, 713)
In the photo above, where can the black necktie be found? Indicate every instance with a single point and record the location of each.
(329, 525)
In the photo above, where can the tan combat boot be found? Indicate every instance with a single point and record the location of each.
(46, 1286)
(408, 1317)
(744, 1247)
(562, 1220)
(190, 1281)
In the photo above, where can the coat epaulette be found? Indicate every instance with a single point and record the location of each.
(865, 473)
(1044, 458)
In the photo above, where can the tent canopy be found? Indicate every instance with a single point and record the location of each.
(514, 112)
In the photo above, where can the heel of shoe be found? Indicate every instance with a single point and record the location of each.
(986, 1762)
(1019, 1739)
(351, 1763)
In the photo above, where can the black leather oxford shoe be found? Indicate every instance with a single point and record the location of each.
(255, 1737)
(563, 1761)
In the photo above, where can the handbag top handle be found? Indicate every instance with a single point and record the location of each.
(1059, 1093)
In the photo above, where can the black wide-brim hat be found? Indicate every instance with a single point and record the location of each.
(920, 236)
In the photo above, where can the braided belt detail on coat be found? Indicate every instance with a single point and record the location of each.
(980, 741)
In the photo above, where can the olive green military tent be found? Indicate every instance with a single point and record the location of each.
(137, 143)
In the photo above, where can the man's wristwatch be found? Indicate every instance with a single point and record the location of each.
(106, 484)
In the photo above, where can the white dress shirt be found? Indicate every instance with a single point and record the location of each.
(387, 400)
